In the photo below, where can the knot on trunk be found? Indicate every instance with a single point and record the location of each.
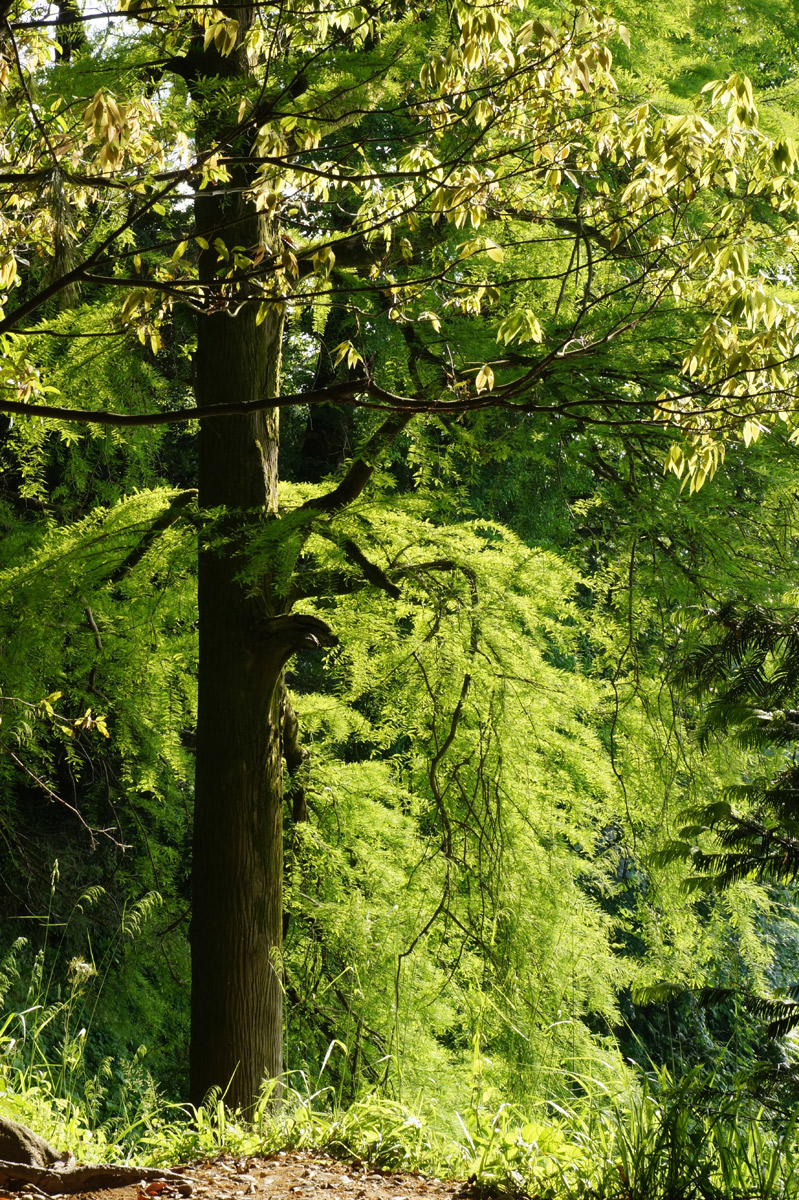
(289, 633)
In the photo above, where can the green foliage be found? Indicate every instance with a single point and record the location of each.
(70, 470)
(747, 669)
(484, 812)
(468, 213)
(478, 863)
(51, 1074)
(97, 705)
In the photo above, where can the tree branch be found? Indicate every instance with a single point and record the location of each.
(370, 570)
(335, 393)
(168, 517)
(361, 469)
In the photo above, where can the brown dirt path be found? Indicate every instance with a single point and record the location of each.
(285, 1175)
(308, 1175)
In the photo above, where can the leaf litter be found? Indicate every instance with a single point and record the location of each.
(284, 1175)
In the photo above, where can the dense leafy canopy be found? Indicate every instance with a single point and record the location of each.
(568, 276)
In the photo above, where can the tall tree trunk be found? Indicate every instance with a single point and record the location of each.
(236, 931)
(236, 934)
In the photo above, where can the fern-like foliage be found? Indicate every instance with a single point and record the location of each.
(747, 672)
(747, 675)
(779, 1013)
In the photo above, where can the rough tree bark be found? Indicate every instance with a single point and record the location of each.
(236, 1004)
(236, 932)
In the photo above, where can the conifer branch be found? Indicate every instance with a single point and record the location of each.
(372, 573)
(169, 516)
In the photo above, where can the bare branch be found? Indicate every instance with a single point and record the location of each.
(362, 468)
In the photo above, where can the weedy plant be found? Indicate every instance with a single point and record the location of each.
(646, 1140)
(644, 1137)
(51, 1077)
(649, 1137)
(661, 1139)
(753, 1158)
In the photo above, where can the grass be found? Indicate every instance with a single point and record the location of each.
(654, 1139)
(628, 1136)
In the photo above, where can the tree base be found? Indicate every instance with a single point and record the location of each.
(72, 1179)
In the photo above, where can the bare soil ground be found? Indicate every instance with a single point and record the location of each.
(286, 1175)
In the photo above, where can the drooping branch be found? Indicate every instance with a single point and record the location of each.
(448, 564)
(168, 517)
(347, 491)
(371, 572)
(443, 745)
(98, 641)
(56, 799)
(441, 749)
(341, 584)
